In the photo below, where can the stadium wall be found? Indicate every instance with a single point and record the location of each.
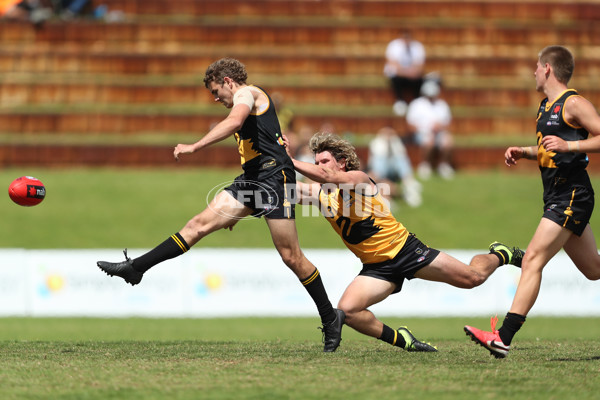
(254, 282)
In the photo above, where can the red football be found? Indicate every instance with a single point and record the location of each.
(27, 191)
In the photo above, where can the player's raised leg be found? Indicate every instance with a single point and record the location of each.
(447, 269)
(222, 212)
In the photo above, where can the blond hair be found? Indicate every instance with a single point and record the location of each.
(339, 148)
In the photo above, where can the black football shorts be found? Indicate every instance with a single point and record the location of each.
(271, 196)
(571, 209)
(413, 256)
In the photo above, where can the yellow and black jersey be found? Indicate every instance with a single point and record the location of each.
(560, 168)
(364, 222)
(260, 143)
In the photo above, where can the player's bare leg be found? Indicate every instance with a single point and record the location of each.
(583, 252)
(362, 293)
(222, 212)
(285, 239)
(548, 239)
(447, 269)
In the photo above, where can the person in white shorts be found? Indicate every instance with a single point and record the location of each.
(429, 117)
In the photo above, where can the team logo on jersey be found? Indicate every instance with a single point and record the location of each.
(554, 114)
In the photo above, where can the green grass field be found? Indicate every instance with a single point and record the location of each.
(139, 208)
(281, 358)
(274, 358)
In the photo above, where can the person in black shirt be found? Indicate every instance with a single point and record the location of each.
(264, 189)
(564, 121)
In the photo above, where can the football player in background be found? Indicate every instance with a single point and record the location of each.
(564, 122)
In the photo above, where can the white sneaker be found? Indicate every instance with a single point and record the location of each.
(412, 193)
(424, 171)
(445, 171)
(400, 108)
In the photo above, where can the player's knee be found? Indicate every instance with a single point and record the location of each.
(467, 282)
(197, 228)
(293, 259)
(349, 309)
(532, 262)
(592, 277)
(466, 278)
(593, 273)
(473, 281)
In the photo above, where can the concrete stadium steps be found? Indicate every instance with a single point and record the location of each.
(60, 61)
(145, 72)
(547, 10)
(86, 35)
(190, 95)
(474, 49)
(490, 123)
(68, 93)
(137, 123)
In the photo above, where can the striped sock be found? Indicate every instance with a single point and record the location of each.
(502, 255)
(314, 286)
(392, 337)
(174, 246)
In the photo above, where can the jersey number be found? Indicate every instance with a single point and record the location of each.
(356, 233)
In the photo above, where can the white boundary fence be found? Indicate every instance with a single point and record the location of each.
(254, 282)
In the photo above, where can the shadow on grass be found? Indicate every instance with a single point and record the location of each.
(593, 358)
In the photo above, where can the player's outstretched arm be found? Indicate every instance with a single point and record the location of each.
(322, 174)
(222, 130)
(308, 193)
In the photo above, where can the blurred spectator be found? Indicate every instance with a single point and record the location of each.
(389, 163)
(285, 113)
(405, 59)
(34, 11)
(299, 147)
(69, 9)
(429, 118)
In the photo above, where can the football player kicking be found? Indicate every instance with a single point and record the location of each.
(268, 174)
(355, 208)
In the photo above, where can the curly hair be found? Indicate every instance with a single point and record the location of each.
(225, 67)
(338, 147)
